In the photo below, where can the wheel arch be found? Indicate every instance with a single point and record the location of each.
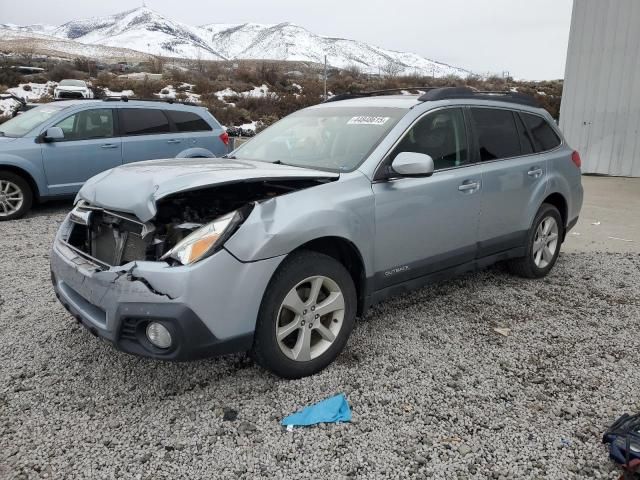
(345, 252)
(195, 152)
(560, 202)
(27, 177)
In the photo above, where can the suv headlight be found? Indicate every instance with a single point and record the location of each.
(208, 239)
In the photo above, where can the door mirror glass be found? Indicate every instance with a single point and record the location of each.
(53, 133)
(412, 164)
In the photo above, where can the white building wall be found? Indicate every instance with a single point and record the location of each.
(600, 110)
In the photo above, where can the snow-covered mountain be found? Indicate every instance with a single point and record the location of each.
(146, 30)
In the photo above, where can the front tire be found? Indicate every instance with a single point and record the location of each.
(306, 316)
(543, 244)
(16, 196)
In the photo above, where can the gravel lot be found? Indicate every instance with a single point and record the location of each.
(435, 392)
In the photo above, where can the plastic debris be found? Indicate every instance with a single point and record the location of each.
(505, 332)
(577, 234)
(596, 223)
(332, 410)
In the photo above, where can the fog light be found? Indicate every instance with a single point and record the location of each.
(158, 335)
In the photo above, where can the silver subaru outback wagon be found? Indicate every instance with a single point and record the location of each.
(277, 248)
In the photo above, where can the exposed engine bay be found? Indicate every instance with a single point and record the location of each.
(115, 238)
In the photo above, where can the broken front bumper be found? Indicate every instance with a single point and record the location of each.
(210, 307)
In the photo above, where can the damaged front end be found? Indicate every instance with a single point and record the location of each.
(188, 226)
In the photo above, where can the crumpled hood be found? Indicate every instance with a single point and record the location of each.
(136, 187)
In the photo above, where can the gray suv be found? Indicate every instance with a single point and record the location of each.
(277, 248)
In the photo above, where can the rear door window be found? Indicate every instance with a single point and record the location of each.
(544, 137)
(188, 121)
(143, 121)
(497, 133)
(526, 142)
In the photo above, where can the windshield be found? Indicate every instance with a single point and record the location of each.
(24, 123)
(330, 138)
(72, 83)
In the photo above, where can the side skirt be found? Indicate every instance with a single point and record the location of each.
(441, 275)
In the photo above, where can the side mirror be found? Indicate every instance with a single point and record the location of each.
(52, 134)
(411, 164)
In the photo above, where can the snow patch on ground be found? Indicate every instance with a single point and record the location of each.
(34, 91)
(170, 92)
(7, 107)
(122, 93)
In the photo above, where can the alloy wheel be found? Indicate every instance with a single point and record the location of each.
(546, 241)
(310, 318)
(11, 198)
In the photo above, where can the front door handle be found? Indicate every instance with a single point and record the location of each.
(535, 172)
(109, 145)
(173, 140)
(469, 187)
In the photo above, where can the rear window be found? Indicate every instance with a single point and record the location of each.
(143, 121)
(188, 121)
(544, 137)
(497, 133)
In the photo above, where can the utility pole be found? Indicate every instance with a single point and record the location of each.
(325, 77)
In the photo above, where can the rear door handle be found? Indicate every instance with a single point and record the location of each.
(109, 145)
(173, 140)
(469, 187)
(535, 172)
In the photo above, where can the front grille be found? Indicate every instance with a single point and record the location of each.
(111, 238)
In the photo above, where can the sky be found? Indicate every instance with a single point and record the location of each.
(527, 38)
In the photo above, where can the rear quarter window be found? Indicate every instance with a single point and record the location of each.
(188, 121)
(143, 121)
(544, 136)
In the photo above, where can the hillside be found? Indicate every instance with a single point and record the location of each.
(145, 30)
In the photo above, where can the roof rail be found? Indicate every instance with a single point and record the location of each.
(125, 98)
(451, 93)
(373, 93)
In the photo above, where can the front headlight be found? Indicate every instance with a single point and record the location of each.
(205, 241)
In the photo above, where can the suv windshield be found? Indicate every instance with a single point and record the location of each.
(72, 83)
(24, 123)
(328, 138)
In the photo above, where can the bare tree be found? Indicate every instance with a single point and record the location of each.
(392, 69)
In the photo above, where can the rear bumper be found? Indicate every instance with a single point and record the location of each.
(209, 308)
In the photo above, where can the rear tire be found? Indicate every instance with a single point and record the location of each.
(16, 196)
(307, 314)
(543, 244)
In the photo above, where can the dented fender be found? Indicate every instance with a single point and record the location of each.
(279, 225)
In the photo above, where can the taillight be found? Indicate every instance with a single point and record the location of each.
(575, 158)
(224, 136)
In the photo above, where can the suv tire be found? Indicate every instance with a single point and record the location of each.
(12, 187)
(306, 316)
(543, 244)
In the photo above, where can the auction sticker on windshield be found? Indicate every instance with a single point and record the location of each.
(365, 120)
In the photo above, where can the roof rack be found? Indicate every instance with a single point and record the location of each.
(373, 93)
(125, 98)
(451, 93)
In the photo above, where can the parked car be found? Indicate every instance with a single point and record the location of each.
(51, 150)
(279, 247)
(72, 89)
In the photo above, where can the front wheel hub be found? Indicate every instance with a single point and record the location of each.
(321, 295)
